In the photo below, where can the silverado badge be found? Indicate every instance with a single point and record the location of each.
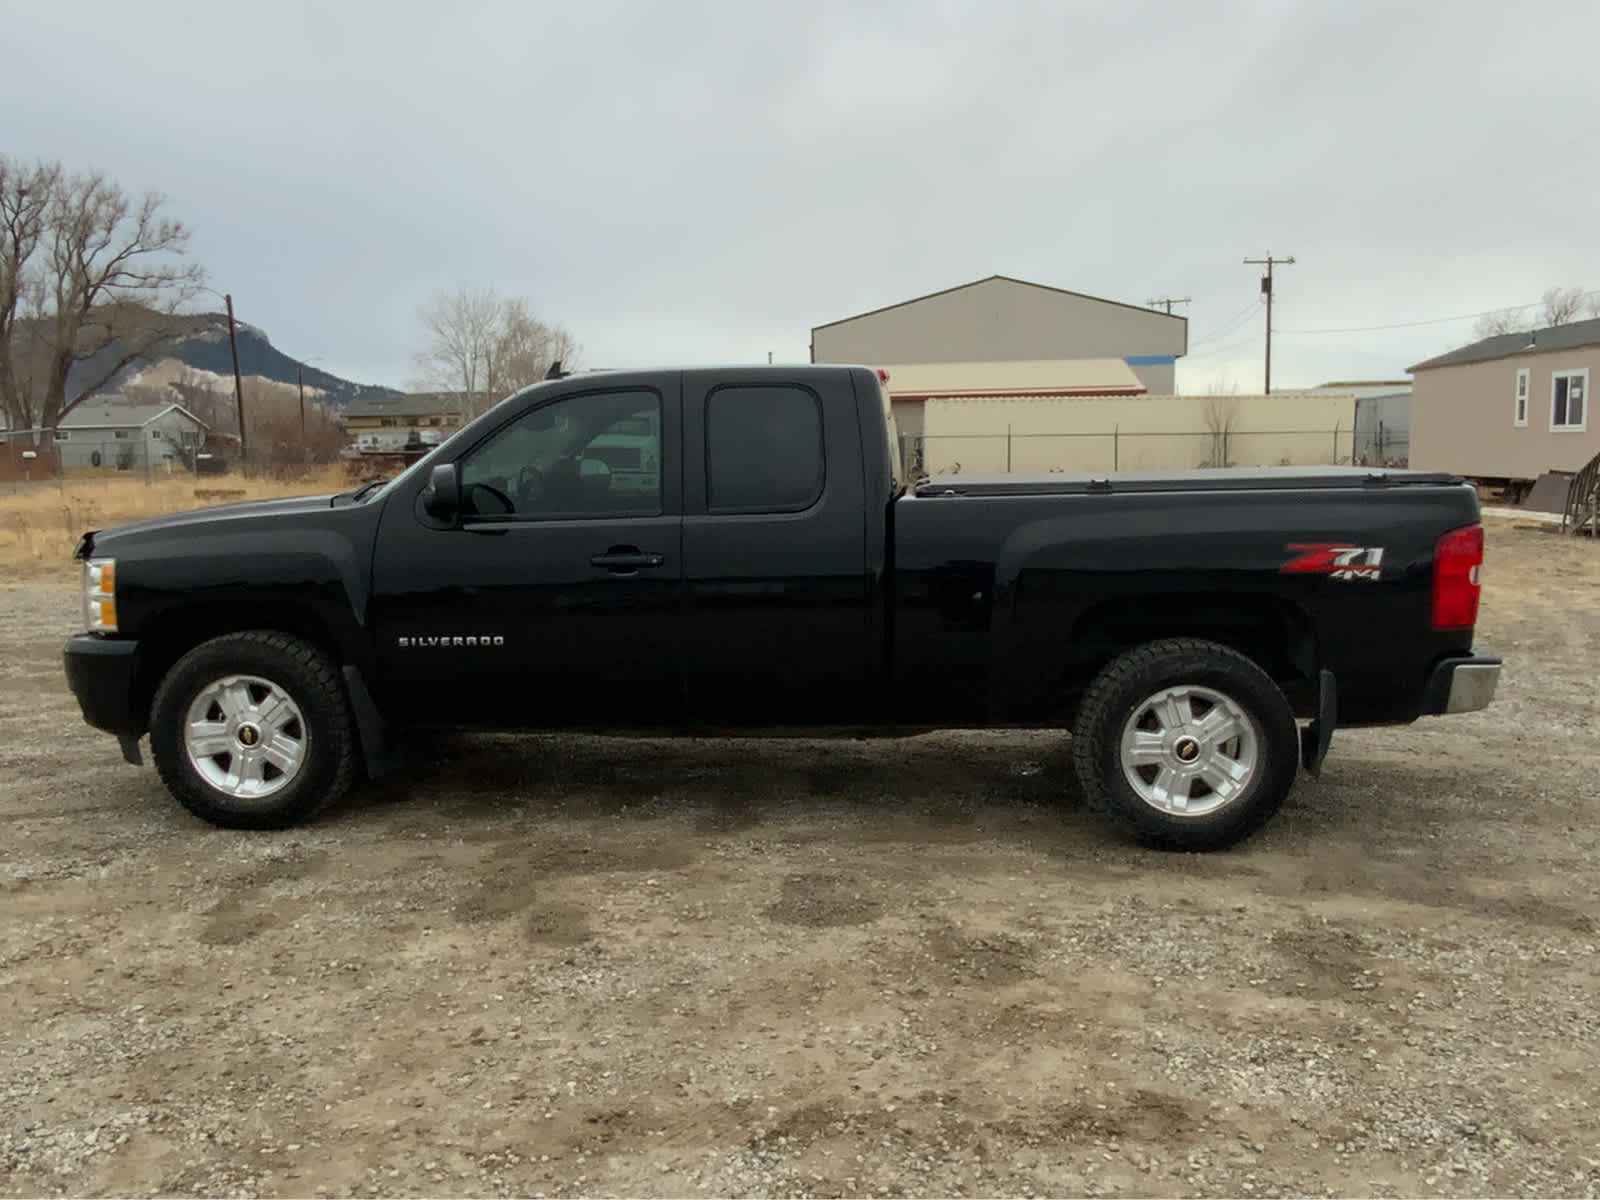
(480, 640)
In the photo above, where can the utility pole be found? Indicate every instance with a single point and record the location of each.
(1166, 302)
(1266, 290)
(238, 384)
(300, 378)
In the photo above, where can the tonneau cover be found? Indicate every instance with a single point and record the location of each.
(1220, 480)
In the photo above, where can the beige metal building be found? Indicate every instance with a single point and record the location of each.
(912, 385)
(1033, 434)
(1000, 319)
(1508, 407)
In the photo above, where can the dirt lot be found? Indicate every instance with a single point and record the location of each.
(561, 966)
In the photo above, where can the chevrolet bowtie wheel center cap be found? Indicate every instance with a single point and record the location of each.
(249, 735)
(1187, 749)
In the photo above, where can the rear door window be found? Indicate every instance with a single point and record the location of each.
(764, 449)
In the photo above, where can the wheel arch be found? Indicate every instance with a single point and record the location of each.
(174, 632)
(1274, 633)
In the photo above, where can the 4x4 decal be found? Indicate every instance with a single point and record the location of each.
(1337, 560)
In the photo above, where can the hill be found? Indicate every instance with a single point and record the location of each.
(200, 341)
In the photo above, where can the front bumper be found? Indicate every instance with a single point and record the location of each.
(100, 672)
(1463, 684)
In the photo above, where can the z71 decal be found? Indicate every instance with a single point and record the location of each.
(1337, 560)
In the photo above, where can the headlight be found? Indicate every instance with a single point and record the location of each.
(100, 595)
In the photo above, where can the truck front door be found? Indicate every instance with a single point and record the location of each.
(555, 599)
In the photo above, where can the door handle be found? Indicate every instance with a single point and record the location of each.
(626, 559)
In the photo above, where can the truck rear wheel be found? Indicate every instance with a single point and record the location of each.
(253, 731)
(1185, 744)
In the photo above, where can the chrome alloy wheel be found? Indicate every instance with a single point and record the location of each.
(245, 737)
(1188, 751)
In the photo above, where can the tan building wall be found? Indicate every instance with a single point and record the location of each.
(1463, 418)
(402, 424)
(1134, 433)
(1002, 319)
(907, 416)
(911, 385)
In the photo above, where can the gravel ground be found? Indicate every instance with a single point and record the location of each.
(554, 966)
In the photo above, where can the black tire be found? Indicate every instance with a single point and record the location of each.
(325, 732)
(1125, 687)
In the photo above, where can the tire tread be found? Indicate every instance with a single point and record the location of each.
(323, 688)
(1176, 656)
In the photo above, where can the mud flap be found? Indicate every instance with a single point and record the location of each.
(1317, 736)
(379, 754)
(130, 749)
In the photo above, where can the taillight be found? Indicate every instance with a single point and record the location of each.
(1457, 557)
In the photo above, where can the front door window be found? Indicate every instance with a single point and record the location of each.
(593, 455)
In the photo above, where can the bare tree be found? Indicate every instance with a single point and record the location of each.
(1561, 306)
(526, 349)
(1558, 306)
(1222, 414)
(198, 392)
(481, 347)
(285, 438)
(461, 328)
(88, 278)
(25, 199)
(1496, 324)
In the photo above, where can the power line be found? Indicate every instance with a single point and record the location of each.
(1266, 290)
(1220, 350)
(1227, 326)
(1166, 302)
(1488, 312)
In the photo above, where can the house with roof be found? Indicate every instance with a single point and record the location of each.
(128, 436)
(1508, 408)
(387, 421)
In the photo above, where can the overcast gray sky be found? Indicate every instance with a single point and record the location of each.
(683, 182)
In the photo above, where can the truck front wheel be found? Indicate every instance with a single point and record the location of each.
(1185, 744)
(253, 731)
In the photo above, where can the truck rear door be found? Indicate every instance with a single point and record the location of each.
(778, 591)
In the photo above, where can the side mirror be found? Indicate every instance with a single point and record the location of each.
(441, 499)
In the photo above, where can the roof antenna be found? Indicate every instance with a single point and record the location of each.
(555, 371)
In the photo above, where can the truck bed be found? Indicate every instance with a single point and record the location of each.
(1008, 588)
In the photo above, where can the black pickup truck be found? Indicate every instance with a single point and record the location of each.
(716, 551)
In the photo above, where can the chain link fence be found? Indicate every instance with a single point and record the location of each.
(43, 456)
(1008, 452)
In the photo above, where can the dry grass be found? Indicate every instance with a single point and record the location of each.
(40, 523)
